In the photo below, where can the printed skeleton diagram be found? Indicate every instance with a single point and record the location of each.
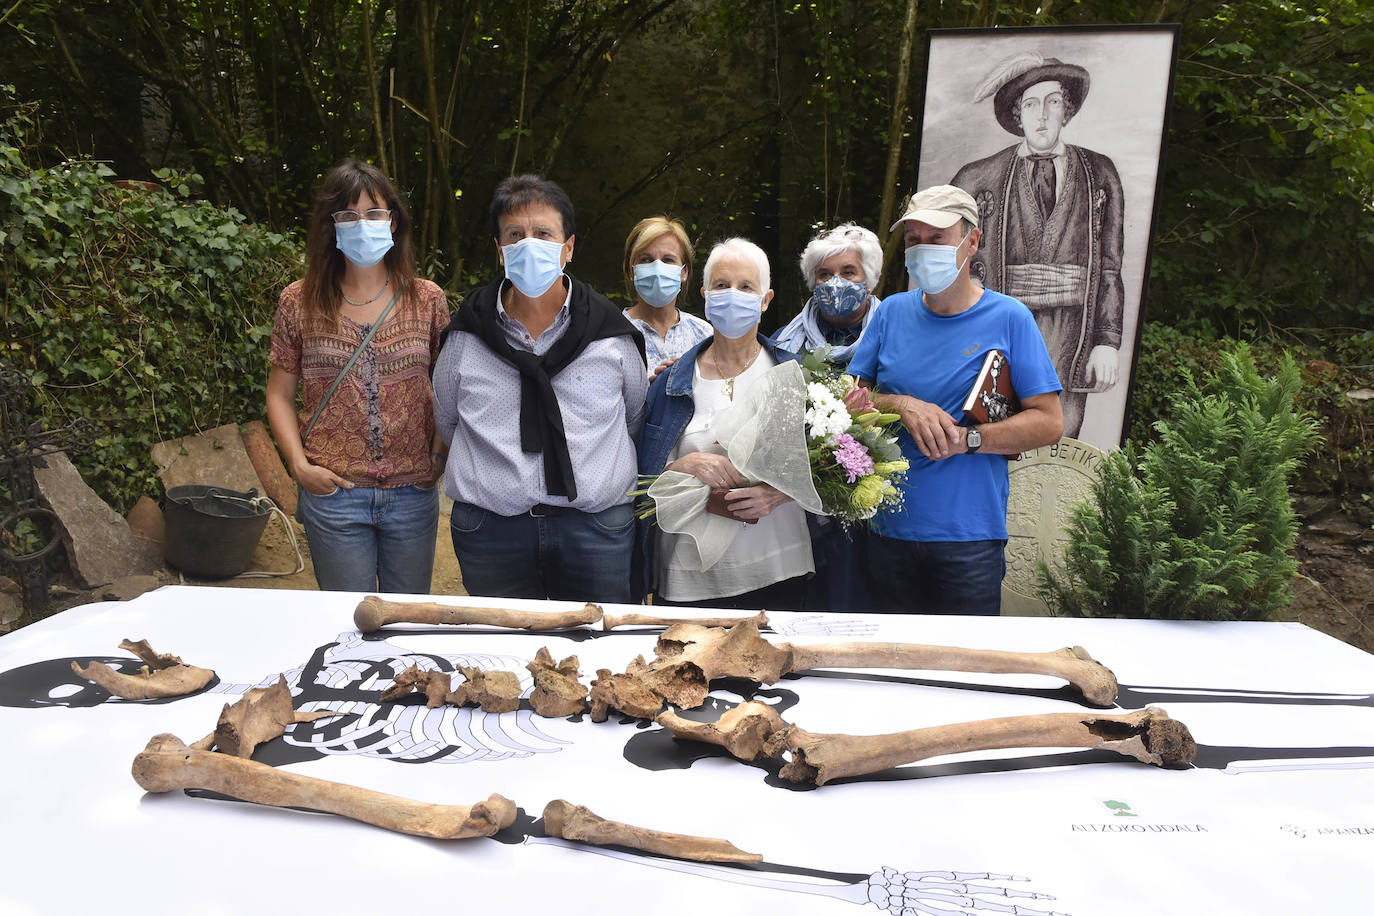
(347, 676)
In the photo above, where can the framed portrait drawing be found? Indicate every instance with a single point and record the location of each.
(1058, 133)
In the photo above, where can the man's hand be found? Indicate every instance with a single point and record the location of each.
(935, 432)
(753, 503)
(1103, 367)
(715, 471)
(318, 480)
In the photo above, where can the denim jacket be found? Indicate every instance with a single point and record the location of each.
(669, 410)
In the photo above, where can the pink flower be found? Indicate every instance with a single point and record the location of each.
(859, 400)
(853, 457)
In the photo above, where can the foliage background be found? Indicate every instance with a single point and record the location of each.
(766, 118)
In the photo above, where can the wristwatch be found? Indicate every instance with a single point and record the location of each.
(973, 440)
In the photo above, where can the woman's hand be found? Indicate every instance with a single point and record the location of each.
(658, 370)
(753, 503)
(318, 480)
(715, 471)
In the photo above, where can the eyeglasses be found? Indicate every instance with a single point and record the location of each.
(352, 216)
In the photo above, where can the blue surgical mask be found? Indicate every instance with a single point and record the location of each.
(838, 297)
(533, 265)
(658, 283)
(364, 241)
(733, 312)
(934, 268)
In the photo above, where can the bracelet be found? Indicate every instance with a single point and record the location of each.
(442, 456)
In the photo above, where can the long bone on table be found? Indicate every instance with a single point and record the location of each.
(167, 764)
(689, 657)
(373, 613)
(755, 731)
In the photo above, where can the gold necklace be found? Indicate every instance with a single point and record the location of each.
(729, 386)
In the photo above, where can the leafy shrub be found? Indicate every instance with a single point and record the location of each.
(141, 309)
(1197, 524)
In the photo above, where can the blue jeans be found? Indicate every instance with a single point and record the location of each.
(577, 556)
(936, 577)
(372, 539)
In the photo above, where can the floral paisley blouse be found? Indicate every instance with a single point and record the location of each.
(377, 429)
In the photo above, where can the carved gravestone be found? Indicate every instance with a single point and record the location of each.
(1045, 485)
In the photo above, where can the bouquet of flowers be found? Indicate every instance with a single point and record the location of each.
(856, 462)
(806, 430)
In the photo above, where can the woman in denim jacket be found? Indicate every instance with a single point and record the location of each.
(770, 558)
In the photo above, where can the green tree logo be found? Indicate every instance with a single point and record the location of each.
(1119, 808)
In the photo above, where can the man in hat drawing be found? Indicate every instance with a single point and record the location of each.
(1051, 218)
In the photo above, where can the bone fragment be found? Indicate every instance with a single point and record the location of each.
(611, 621)
(1147, 735)
(435, 685)
(167, 764)
(690, 656)
(575, 822)
(624, 692)
(161, 675)
(557, 690)
(145, 652)
(743, 731)
(1091, 678)
(494, 691)
(260, 715)
(373, 613)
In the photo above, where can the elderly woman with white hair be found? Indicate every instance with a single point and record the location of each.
(767, 562)
(841, 267)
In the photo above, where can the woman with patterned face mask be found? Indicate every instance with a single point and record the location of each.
(767, 562)
(359, 336)
(658, 267)
(841, 267)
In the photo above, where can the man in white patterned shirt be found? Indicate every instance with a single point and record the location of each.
(539, 392)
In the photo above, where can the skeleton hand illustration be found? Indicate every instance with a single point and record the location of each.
(944, 892)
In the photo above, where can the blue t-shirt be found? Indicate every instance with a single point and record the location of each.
(908, 349)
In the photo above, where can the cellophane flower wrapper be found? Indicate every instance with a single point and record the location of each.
(764, 435)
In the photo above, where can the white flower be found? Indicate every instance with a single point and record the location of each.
(826, 415)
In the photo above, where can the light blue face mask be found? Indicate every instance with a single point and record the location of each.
(838, 297)
(732, 312)
(934, 268)
(658, 283)
(364, 241)
(533, 265)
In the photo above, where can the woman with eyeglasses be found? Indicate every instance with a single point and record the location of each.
(358, 336)
(841, 267)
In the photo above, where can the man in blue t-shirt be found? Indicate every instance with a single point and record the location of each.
(942, 551)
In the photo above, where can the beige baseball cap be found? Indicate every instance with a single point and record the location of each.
(940, 206)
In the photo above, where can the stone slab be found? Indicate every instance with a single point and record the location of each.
(129, 588)
(214, 458)
(100, 545)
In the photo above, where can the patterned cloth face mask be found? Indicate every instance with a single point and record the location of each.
(658, 283)
(838, 297)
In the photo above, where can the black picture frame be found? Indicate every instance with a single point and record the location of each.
(1120, 127)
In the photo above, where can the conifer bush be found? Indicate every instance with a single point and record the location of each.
(1198, 524)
